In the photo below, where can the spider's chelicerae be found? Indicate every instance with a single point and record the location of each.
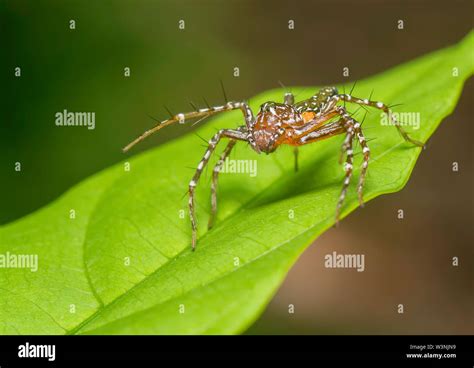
(291, 123)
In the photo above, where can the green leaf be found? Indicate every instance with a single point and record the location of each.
(124, 265)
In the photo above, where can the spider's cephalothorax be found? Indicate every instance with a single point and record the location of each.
(295, 124)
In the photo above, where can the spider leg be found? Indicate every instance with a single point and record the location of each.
(240, 134)
(322, 132)
(386, 110)
(327, 131)
(365, 164)
(357, 132)
(347, 146)
(353, 129)
(295, 153)
(289, 98)
(346, 143)
(317, 127)
(314, 124)
(215, 176)
(201, 113)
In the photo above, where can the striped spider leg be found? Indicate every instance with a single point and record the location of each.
(385, 109)
(240, 133)
(319, 128)
(327, 131)
(215, 176)
(234, 135)
(358, 133)
(198, 114)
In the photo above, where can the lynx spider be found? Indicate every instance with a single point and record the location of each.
(289, 123)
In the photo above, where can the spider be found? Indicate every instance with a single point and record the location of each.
(296, 124)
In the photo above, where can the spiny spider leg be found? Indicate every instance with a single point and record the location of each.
(346, 143)
(365, 163)
(319, 122)
(240, 134)
(215, 176)
(357, 132)
(353, 129)
(345, 146)
(326, 131)
(385, 109)
(201, 113)
(348, 169)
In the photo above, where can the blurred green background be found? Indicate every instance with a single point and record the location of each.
(83, 70)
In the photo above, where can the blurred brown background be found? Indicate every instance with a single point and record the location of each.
(407, 262)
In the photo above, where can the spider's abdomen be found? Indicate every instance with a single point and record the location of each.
(271, 124)
(317, 102)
